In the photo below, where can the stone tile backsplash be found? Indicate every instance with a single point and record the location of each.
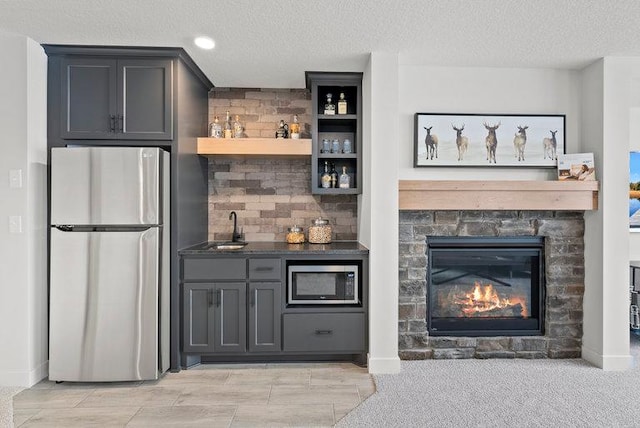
(261, 110)
(269, 194)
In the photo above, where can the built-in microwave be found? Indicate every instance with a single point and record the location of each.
(322, 284)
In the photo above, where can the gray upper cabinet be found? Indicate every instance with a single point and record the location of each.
(105, 99)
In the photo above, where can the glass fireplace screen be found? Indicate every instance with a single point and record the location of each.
(490, 285)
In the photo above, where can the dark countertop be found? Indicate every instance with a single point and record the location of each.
(261, 247)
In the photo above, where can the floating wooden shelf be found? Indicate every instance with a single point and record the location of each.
(498, 195)
(254, 146)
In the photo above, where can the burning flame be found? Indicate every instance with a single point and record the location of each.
(485, 298)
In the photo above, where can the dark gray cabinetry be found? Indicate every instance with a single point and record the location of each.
(138, 96)
(264, 316)
(215, 317)
(235, 309)
(338, 126)
(218, 318)
(116, 99)
(335, 332)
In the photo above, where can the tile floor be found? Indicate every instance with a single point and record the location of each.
(256, 395)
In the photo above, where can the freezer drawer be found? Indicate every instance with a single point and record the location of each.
(106, 186)
(104, 305)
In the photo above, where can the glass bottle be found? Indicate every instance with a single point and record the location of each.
(227, 129)
(294, 128)
(346, 146)
(238, 130)
(326, 146)
(215, 129)
(335, 146)
(345, 180)
(329, 107)
(334, 176)
(342, 104)
(325, 178)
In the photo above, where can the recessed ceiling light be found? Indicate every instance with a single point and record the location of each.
(204, 42)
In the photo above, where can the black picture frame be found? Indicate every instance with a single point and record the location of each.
(540, 148)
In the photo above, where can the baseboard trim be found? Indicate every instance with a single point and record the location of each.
(384, 365)
(24, 379)
(607, 362)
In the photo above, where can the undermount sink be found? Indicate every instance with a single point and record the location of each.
(227, 245)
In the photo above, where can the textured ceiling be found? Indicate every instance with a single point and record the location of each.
(270, 43)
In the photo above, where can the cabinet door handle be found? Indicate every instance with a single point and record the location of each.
(218, 297)
(112, 123)
(324, 331)
(210, 297)
(252, 298)
(264, 268)
(121, 123)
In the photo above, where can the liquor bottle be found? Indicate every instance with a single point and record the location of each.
(329, 107)
(215, 129)
(334, 176)
(237, 127)
(345, 180)
(325, 178)
(342, 104)
(227, 129)
(294, 128)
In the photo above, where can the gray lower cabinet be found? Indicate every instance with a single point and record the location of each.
(215, 317)
(318, 332)
(264, 316)
(231, 305)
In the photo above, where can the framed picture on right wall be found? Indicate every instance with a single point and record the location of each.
(634, 190)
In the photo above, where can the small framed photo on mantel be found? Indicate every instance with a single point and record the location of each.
(576, 166)
(488, 140)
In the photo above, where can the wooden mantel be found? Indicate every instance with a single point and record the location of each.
(498, 195)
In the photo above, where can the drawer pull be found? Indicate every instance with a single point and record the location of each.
(264, 269)
(324, 331)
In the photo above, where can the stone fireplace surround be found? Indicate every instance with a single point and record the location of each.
(564, 271)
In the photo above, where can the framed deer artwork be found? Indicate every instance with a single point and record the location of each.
(498, 140)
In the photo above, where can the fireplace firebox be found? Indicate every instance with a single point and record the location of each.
(485, 286)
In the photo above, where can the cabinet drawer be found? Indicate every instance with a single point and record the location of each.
(324, 332)
(265, 269)
(214, 268)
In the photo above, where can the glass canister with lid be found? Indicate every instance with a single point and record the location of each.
(295, 235)
(320, 231)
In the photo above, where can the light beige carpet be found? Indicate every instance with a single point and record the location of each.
(6, 405)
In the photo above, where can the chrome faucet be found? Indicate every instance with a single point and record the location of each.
(235, 235)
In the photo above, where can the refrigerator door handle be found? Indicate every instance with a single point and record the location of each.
(149, 186)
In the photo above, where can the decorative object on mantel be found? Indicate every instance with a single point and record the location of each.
(576, 166)
(283, 130)
(505, 140)
(498, 195)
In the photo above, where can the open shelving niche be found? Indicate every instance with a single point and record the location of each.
(336, 126)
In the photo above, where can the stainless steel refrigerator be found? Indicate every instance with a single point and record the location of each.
(109, 264)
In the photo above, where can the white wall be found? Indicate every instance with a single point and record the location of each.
(611, 100)
(379, 226)
(23, 290)
(428, 89)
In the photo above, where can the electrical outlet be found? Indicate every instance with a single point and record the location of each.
(15, 224)
(15, 178)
